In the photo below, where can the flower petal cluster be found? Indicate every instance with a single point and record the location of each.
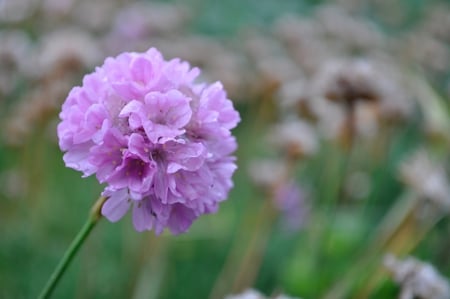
(159, 141)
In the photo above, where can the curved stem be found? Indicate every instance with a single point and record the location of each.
(92, 220)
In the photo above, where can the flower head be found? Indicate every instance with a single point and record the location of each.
(417, 279)
(160, 142)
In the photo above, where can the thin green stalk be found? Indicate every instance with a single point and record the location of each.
(94, 217)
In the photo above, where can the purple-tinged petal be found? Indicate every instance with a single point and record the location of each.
(185, 156)
(107, 157)
(134, 110)
(133, 173)
(142, 70)
(160, 134)
(142, 216)
(161, 185)
(116, 206)
(180, 219)
(133, 107)
(138, 147)
(171, 108)
(77, 158)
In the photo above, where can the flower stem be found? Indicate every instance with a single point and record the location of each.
(92, 220)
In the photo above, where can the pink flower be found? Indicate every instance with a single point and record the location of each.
(160, 142)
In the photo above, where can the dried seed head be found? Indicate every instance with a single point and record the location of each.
(427, 178)
(349, 81)
(296, 138)
(417, 279)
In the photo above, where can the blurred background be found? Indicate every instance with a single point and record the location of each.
(343, 149)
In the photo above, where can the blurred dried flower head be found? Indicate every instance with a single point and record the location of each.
(296, 138)
(304, 41)
(94, 15)
(437, 21)
(15, 11)
(275, 70)
(53, 64)
(14, 46)
(13, 183)
(140, 24)
(417, 279)
(254, 294)
(232, 70)
(430, 53)
(396, 102)
(330, 115)
(291, 28)
(376, 82)
(292, 92)
(427, 178)
(349, 81)
(351, 6)
(198, 49)
(272, 64)
(295, 96)
(69, 48)
(366, 118)
(267, 173)
(248, 294)
(347, 31)
(56, 8)
(259, 45)
(36, 108)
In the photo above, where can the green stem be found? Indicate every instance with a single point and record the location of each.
(94, 217)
